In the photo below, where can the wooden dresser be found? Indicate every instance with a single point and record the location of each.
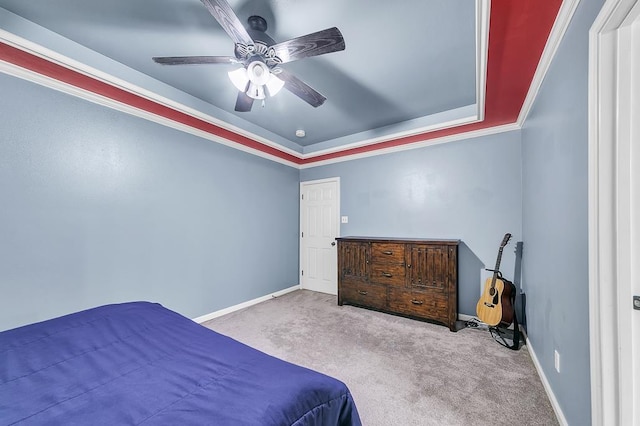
(411, 277)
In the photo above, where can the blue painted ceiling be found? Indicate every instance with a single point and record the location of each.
(403, 60)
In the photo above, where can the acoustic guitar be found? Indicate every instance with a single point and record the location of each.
(495, 306)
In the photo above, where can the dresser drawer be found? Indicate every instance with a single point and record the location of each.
(387, 253)
(382, 273)
(370, 295)
(420, 304)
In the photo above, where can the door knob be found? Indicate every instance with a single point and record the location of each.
(333, 243)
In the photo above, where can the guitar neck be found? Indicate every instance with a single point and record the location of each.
(497, 268)
(498, 261)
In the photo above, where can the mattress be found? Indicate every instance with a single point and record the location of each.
(140, 363)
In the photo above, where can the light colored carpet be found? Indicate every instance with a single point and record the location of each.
(400, 371)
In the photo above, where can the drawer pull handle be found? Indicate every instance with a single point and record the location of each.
(388, 252)
(364, 293)
(417, 302)
(385, 274)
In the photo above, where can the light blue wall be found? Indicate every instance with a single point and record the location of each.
(555, 228)
(98, 206)
(468, 190)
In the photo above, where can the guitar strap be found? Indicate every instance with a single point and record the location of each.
(499, 333)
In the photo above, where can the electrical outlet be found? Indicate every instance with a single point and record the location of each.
(556, 360)
(344, 219)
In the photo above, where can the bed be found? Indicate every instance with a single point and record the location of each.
(140, 363)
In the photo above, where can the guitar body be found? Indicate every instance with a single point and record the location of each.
(495, 307)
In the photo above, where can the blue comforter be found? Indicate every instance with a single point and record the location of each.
(140, 363)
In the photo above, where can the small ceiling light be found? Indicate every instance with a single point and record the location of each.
(300, 133)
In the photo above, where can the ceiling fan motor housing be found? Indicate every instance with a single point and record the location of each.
(257, 23)
(260, 46)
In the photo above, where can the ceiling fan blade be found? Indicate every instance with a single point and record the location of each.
(300, 88)
(194, 60)
(243, 102)
(229, 21)
(325, 41)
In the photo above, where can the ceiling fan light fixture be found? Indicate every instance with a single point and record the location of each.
(255, 92)
(258, 73)
(274, 84)
(239, 78)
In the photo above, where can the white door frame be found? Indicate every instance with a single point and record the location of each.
(337, 219)
(610, 287)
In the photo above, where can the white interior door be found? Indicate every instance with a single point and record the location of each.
(631, 205)
(319, 227)
(614, 234)
(627, 202)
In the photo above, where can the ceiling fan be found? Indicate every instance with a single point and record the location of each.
(261, 57)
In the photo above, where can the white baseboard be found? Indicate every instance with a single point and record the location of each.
(243, 305)
(465, 317)
(545, 383)
(547, 387)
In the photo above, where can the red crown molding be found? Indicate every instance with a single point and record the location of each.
(518, 34)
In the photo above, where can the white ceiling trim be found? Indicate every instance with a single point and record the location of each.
(436, 141)
(563, 19)
(34, 77)
(439, 126)
(59, 59)
(483, 12)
